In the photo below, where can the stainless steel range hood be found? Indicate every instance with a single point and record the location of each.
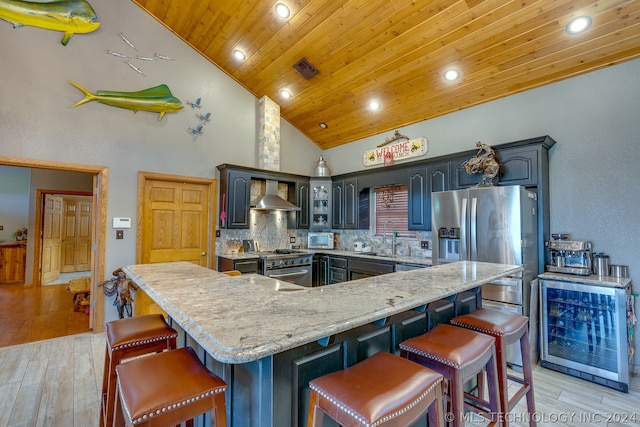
(272, 202)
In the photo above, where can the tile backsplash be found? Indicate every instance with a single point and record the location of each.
(269, 229)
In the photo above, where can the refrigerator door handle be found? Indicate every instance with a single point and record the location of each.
(463, 231)
(473, 236)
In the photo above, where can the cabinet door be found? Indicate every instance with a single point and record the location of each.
(307, 368)
(302, 201)
(12, 263)
(519, 166)
(337, 209)
(238, 199)
(418, 217)
(459, 176)
(351, 203)
(423, 182)
(320, 204)
(315, 269)
(324, 270)
(337, 275)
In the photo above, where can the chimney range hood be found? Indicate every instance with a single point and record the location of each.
(272, 202)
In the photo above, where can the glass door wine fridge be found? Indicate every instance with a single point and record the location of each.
(584, 331)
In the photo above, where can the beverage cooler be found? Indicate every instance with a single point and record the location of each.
(584, 330)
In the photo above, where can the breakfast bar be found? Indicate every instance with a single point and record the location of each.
(267, 338)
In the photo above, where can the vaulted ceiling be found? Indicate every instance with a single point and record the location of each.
(396, 51)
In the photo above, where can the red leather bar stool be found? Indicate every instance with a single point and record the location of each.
(506, 328)
(382, 390)
(459, 355)
(167, 389)
(127, 338)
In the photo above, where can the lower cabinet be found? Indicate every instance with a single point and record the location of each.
(359, 268)
(245, 266)
(329, 270)
(337, 270)
(12, 262)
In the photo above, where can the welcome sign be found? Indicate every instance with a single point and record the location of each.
(398, 151)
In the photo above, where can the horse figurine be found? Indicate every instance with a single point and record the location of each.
(484, 162)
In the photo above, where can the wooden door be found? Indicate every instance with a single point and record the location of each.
(76, 234)
(176, 221)
(51, 238)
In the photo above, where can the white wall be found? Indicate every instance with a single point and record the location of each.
(594, 167)
(14, 201)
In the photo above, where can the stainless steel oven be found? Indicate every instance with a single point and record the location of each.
(288, 265)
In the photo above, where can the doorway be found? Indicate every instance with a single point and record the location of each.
(175, 219)
(98, 231)
(66, 238)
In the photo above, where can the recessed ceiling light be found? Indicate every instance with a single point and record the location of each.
(374, 105)
(282, 10)
(578, 25)
(285, 94)
(323, 125)
(239, 55)
(451, 74)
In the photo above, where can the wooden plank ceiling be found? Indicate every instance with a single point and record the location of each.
(395, 51)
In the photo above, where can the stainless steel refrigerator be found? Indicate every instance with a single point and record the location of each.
(491, 224)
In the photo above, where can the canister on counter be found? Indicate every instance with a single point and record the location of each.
(619, 271)
(600, 264)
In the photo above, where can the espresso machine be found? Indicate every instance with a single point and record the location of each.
(568, 256)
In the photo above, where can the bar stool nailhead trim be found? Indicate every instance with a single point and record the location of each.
(171, 406)
(384, 419)
(142, 342)
(440, 359)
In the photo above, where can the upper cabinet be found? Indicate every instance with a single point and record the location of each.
(351, 203)
(235, 195)
(422, 182)
(337, 210)
(519, 166)
(350, 207)
(238, 197)
(300, 197)
(321, 206)
(342, 202)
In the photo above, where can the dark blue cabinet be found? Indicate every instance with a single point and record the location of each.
(422, 182)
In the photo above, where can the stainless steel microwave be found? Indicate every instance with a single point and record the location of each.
(320, 240)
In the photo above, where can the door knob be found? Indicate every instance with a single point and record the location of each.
(203, 254)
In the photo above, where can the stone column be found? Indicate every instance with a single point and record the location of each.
(268, 134)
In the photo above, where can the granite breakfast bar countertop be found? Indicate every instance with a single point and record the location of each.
(239, 319)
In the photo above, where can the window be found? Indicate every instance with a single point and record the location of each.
(391, 204)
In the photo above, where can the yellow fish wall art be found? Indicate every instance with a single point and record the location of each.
(68, 16)
(157, 99)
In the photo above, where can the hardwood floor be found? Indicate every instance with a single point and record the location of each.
(55, 383)
(34, 313)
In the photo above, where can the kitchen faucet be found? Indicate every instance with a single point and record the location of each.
(393, 238)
